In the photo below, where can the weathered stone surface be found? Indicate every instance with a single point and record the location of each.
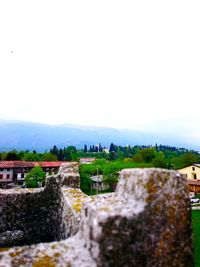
(38, 213)
(34, 212)
(69, 176)
(72, 201)
(11, 238)
(69, 253)
(146, 222)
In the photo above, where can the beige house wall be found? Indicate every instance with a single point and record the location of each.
(4, 173)
(192, 172)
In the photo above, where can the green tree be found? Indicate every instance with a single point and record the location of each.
(148, 154)
(190, 158)
(49, 157)
(70, 153)
(35, 177)
(159, 161)
(112, 155)
(85, 148)
(30, 156)
(4, 155)
(12, 155)
(111, 179)
(85, 173)
(54, 151)
(177, 163)
(21, 154)
(138, 158)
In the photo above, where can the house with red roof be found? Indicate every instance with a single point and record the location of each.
(15, 171)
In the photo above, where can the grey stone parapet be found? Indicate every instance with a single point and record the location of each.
(146, 222)
(68, 175)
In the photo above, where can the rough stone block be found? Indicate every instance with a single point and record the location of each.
(37, 213)
(68, 175)
(147, 222)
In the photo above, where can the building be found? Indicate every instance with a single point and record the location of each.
(97, 183)
(106, 150)
(194, 186)
(87, 160)
(14, 172)
(192, 173)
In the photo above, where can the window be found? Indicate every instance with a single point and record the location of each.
(193, 168)
(1, 176)
(194, 176)
(8, 176)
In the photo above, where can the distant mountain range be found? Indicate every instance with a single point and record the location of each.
(41, 137)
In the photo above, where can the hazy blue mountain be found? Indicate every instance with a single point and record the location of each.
(26, 135)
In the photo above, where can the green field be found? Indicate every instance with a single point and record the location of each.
(196, 236)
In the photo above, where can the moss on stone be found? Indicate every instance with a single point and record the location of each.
(44, 261)
(106, 209)
(77, 205)
(15, 253)
(4, 249)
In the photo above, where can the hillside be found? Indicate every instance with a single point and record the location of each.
(26, 135)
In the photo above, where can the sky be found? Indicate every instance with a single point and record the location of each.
(124, 64)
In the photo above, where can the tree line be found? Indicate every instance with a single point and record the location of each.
(163, 156)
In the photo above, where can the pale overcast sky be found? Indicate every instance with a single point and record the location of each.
(125, 64)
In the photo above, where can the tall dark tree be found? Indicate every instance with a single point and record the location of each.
(100, 148)
(85, 148)
(112, 148)
(54, 151)
(12, 156)
(70, 153)
(60, 155)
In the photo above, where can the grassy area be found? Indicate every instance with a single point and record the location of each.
(106, 168)
(196, 236)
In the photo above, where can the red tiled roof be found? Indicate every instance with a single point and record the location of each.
(192, 182)
(28, 164)
(50, 163)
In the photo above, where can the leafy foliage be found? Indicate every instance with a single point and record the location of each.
(158, 156)
(111, 179)
(35, 177)
(159, 161)
(109, 169)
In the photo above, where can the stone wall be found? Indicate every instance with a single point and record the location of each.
(32, 213)
(146, 222)
(29, 216)
(72, 201)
